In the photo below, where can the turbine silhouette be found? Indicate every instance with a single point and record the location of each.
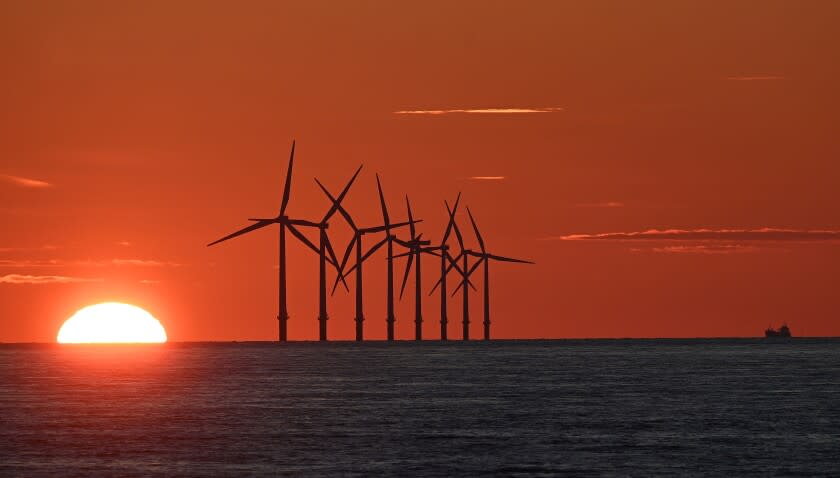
(415, 249)
(292, 225)
(484, 258)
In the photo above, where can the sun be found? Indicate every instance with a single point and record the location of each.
(111, 322)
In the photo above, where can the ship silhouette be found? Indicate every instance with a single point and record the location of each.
(783, 331)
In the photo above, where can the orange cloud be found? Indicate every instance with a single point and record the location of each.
(487, 178)
(503, 111)
(602, 204)
(763, 234)
(715, 249)
(25, 182)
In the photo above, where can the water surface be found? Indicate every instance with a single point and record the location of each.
(515, 408)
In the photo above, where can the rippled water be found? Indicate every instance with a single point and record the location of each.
(634, 407)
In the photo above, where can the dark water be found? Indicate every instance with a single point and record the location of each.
(541, 408)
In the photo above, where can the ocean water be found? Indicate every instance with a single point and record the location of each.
(508, 408)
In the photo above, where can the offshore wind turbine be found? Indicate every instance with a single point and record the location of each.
(358, 233)
(285, 222)
(465, 273)
(326, 246)
(484, 258)
(389, 238)
(415, 249)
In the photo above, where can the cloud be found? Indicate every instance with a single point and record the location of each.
(30, 279)
(755, 78)
(486, 178)
(715, 249)
(765, 234)
(143, 263)
(601, 204)
(25, 182)
(491, 111)
(149, 281)
(123, 243)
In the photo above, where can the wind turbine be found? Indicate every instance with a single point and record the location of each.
(415, 248)
(326, 246)
(358, 233)
(484, 258)
(465, 280)
(389, 238)
(285, 223)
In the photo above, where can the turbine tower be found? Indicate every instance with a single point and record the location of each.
(389, 238)
(285, 223)
(484, 258)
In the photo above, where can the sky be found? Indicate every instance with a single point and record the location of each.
(671, 167)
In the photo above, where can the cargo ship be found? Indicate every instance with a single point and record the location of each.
(783, 331)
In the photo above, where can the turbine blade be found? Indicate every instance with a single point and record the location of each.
(348, 251)
(475, 266)
(508, 259)
(405, 276)
(303, 238)
(410, 219)
(302, 222)
(382, 202)
(244, 230)
(374, 249)
(337, 202)
(475, 229)
(458, 235)
(461, 284)
(338, 205)
(453, 264)
(389, 226)
(451, 218)
(334, 261)
(287, 189)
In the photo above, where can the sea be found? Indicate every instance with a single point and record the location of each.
(705, 407)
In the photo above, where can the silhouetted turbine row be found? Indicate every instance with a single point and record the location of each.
(415, 248)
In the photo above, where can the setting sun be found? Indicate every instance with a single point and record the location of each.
(111, 322)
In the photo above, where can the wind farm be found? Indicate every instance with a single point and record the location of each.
(415, 245)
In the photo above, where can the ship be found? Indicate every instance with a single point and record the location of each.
(783, 331)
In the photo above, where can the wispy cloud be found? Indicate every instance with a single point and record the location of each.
(606, 204)
(483, 111)
(755, 78)
(487, 178)
(25, 182)
(30, 279)
(149, 281)
(143, 263)
(712, 249)
(764, 234)
(123, 243)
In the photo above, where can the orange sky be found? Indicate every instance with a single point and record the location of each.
(133, 133)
